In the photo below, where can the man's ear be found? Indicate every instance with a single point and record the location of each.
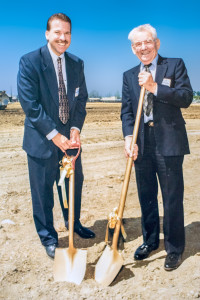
(132, 47)
(157, 44)
(47, 34)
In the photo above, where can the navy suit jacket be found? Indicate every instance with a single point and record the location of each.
(169, 125)
(38, 95)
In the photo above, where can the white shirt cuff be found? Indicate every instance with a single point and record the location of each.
(156, 90)
(52, 134)
(75, 128)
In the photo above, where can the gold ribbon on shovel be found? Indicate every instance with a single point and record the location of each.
(112, 221)
(66, 169)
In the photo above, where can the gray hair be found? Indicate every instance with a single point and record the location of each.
(145, 27)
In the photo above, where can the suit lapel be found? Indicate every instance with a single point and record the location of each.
(161, 69)
(71, 79)
(69, 71)
(50, 74)
(136, 87)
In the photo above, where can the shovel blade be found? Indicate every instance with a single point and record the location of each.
(69, 265)
(108, 266)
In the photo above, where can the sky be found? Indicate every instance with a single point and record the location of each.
(100, 36)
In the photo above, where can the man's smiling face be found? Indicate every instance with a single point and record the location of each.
(59, 36)
(145, 47)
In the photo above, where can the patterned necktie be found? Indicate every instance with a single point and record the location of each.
(63, 101)
(148, 98)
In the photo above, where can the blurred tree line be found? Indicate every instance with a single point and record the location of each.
(196, 96)
(95, 94)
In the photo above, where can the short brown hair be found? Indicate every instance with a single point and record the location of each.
(59, 16)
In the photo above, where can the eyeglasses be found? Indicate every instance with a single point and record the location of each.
(147, 43)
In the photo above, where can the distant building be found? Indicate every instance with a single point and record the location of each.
(4, 100)
(14, 99)
(112, 99)
(94, 99)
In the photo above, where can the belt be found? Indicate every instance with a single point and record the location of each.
(149, 123)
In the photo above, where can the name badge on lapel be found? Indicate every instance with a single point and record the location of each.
(166, 81)
(77, 92)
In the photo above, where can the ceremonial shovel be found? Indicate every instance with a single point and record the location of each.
(111, 260)
(70, 263)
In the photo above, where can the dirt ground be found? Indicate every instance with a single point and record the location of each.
(26, 272)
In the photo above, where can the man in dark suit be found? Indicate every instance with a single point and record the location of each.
(162, 141)
(53, 95)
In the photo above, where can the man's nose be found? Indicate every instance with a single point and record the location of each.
(143, 46)
(62, 36)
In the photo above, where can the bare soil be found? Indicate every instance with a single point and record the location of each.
(26, 272)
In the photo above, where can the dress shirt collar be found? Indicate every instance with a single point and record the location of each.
(153, 64)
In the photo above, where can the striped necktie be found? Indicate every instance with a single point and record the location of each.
(148, 98)
(63, 101)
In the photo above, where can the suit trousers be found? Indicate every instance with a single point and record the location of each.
(153, 166)
(42, 175)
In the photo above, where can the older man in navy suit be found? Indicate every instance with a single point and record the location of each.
(53, 95)
(162, 141)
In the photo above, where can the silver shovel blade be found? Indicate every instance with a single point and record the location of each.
(108, 266)
(70, 266)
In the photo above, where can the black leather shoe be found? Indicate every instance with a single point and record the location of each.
(82, 231)
(172, 261)
(50, 250)
(144, 250)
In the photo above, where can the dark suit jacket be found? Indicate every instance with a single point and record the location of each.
(38, 95)
(169, 125)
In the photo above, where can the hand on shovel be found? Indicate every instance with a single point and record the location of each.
(127, 148)
(75, 138)
(61, 142)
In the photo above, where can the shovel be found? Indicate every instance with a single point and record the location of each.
(70, 263)
(111, 260)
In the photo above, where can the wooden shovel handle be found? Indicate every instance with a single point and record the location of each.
(71, 210)
(71, 201)
(128, 171)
